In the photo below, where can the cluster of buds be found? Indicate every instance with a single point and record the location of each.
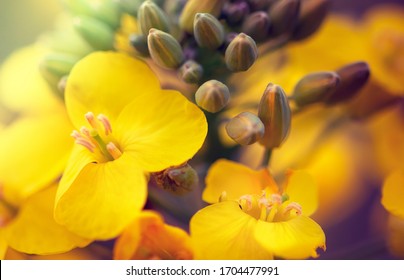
(206, 41)
(271, 125)
(90, 26)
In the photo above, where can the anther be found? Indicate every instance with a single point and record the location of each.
(113, 150)
(106, 123)
(247, 200)
(86, 143)
(294, 206)
(276, 199)
(91, 119)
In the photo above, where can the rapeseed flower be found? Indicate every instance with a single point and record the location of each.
(252, 218)
(126, 126)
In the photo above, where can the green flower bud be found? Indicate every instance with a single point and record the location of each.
(97, 33)
(315, 87)
(150, 16)
(55, 66)
(178, 180)
(245, 128)
(352, 78)
(208, 31)
(284, 16)
(275, 114)
(139, 43)
(212, 96)
(257, 26)
(241, 53)
(191, 72)
(192, 7)
(312, 15)
(164, 49)
(107, 11)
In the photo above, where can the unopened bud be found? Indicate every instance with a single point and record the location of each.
(107, 11)
(315, 87)
(192, 7)
(150, 16)
(97, 33)
(191, 72)
(235, 12)
(212, 96)
(257, 26)
(178, 180)
(164, 49)
(241, 53)
(284, 16)
(352, 78)
(208, 31)
(139, 43)
(275, 114)
(245, 128)
(56, 65)
(312, 15)
(258, 4)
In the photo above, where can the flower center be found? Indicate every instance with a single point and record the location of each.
(269, 207)
(96, 138)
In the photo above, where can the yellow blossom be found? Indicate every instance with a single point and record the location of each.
(255, 219)
(148, 237)
(126, 126)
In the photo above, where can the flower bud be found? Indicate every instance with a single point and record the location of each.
(312, 15)
(107, 11)
(150, 16)
(284, 16)
(315, 87)
(192, 7)
(352, 78)
(139, 43)
(235, 12)
(275, 114)
(208, 31)
(54, 66)
(212, 96)
(178, 180)
(245, 128)
(257, 26)
(164, 49)
(258, 4)
(97, 33)
(241, 53)
(191, 72)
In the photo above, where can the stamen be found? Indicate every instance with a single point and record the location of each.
(86, 143)
(91, 119)
(276, 198)
(294, 206)
(85, 131)
(113, 150)
(106, 123)
(246, 200)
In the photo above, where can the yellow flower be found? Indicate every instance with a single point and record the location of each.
(34, 146)
(148, 237)
(126, 126)
(383, 29)
(255, 219)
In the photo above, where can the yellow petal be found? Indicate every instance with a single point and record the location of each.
(393, 193)
(22, 87)
(302, 188)
(105, 82)
(3, 245)
(149, 237)
(161, 129)
(34, 152)
(98, 200)
(297, 238)
(224, 231)
(235, 179)
(34, 230)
